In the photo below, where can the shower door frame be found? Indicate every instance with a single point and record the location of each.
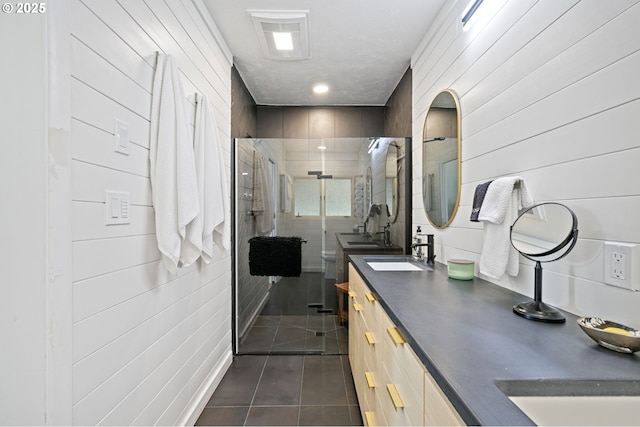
(240, 250)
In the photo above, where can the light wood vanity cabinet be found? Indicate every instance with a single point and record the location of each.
(363, 348)
(393, 386)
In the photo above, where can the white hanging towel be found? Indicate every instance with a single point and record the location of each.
(499, 210)
(287, 193)
(212, 182)
(172, 168)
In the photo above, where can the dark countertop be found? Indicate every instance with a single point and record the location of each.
(468, 338)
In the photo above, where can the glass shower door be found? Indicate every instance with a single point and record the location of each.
(273, 314)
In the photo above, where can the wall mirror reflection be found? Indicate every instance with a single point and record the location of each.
(441, 159)
(392, 172)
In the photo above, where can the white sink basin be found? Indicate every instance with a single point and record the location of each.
(576, 402)
(580, 410)
(393, 266)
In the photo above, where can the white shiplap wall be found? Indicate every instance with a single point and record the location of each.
(148, 348)
(24, 299)
(548, 91)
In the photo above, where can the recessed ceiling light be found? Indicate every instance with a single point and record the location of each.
(321, 88)
(322, 147)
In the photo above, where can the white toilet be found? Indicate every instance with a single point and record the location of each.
(329, 258)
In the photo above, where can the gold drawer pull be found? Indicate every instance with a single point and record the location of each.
(351, 294)
(395, 396)
(369, 418)
(356, 307)
(370, 297)
(370, 382)
(370, 339)
(396, 336)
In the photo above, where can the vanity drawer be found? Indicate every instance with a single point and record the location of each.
(371, 354)
(370, 383)
(356, 336)
(398, 401)
(371, 305)
(356, 284)
(396, 353)
(363, 296)
(438, 410)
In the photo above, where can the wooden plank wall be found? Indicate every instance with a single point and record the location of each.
(147, 347)
(548, 91)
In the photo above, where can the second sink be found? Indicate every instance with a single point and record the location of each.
(363, 243)
(394, 266)
(576, 402)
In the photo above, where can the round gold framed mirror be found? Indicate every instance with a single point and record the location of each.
(441, 159)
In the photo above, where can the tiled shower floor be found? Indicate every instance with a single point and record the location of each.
(291, 323)
(284, 390)
(296, 334)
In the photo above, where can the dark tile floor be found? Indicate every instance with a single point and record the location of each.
(296, 390)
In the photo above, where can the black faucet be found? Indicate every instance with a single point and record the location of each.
(431, 256)
(386, 232)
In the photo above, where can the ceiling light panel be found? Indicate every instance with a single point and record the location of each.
(320, 88)
(290, 26)
(283, 41)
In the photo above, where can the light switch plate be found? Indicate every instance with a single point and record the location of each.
(117, 208)
(121, 137)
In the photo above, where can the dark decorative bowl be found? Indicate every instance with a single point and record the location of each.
(611, 335)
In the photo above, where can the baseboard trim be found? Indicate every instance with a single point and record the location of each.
(254, 315)
(192, 412)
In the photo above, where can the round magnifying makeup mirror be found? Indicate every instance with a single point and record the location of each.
(544, 232)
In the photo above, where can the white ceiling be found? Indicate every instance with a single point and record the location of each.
(359, 48)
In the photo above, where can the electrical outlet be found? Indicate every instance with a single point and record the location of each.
(618, 269)
(621, 265)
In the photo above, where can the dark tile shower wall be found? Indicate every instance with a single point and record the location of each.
(320, 122)
(243, 108)
(397, 111)
(398, 122)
